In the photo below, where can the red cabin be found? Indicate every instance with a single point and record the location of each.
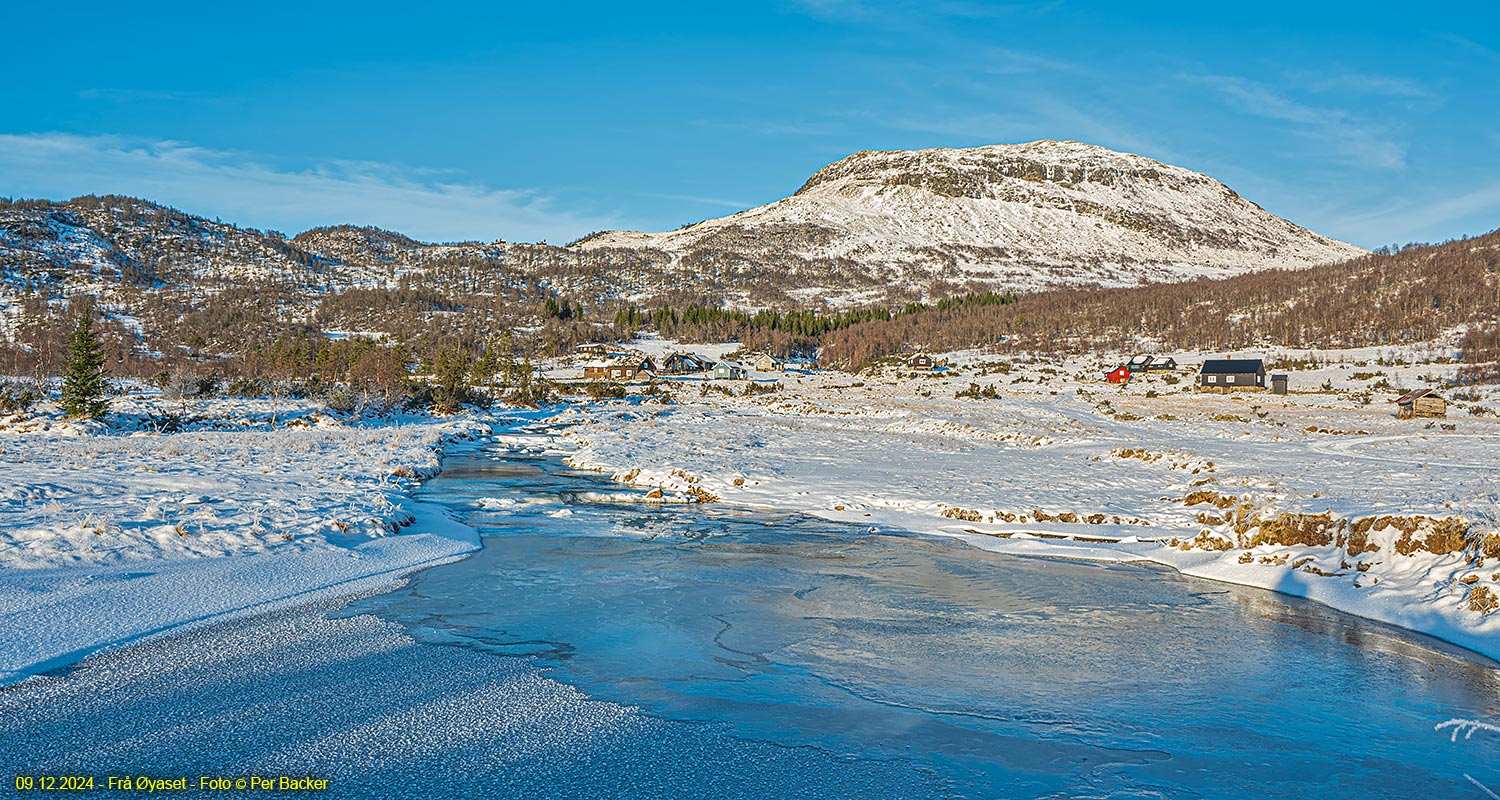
(1120, 374)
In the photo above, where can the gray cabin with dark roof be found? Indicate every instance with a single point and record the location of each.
(685, 364)
(1232, 373)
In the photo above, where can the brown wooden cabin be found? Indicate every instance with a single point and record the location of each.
(1421, 403)
(622, 369)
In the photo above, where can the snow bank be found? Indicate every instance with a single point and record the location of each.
(109, 537)
(1060, 464)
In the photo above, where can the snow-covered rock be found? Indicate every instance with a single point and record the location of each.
(1021, 216)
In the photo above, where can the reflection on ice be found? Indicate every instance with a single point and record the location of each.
(1001, 675)
(659, 651)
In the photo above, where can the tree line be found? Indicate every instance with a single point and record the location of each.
(1383, 299)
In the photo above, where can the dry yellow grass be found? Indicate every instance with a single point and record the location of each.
(963, 514)
(1482, 600)
(1308, 530)
(1209, 496)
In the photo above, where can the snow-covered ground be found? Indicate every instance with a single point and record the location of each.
(114, 535)
(1322, 493)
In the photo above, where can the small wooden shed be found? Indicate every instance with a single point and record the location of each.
(921, 362)
(1421, 403)
(1120, 374)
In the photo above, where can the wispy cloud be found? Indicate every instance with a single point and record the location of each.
(1475, 210)
(770, 127)
(969, 129)
(1356, 142)
(1385, 85)
(426, 204)
(1471, 47)
(1005, 61)
(841, 10)
(1035, 116)
(738, 205)
(111, 95)
(890, 10)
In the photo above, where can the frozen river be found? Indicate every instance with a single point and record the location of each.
(602, 647)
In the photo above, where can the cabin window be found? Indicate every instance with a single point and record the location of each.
(1212, 379)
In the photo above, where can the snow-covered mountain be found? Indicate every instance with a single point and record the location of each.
(875, 229)
(1022, 216)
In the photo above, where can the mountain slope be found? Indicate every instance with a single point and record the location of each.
(1420, 293)
(1023, 217)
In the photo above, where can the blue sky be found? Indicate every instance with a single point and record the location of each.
(550, 120)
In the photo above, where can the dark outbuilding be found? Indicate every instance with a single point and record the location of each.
(1232, 373)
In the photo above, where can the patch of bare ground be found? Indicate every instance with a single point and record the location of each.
(1482, 600)
(1037, 515)
(1243, 525)
(1181, 461)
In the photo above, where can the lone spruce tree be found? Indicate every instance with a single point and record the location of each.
(83, 377)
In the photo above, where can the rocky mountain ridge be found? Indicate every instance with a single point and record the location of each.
(1020, 217)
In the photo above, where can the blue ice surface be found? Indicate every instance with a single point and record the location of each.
(1002, 676)
(624, 650)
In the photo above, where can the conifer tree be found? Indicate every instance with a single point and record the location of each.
(83, 391)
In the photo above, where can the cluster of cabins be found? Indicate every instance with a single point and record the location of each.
(631, 367)
(1229, 374)
(1224, 374)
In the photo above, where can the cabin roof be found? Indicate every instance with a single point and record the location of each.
(1413, 395)
(1233, 366)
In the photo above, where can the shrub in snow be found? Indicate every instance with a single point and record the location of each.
(18, 396)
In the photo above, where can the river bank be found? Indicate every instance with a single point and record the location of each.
(617, 646)
(110, 536)
(1317, 495)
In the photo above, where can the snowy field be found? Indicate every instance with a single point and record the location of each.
(110, 536)
(1321, 493)
(113, 535)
